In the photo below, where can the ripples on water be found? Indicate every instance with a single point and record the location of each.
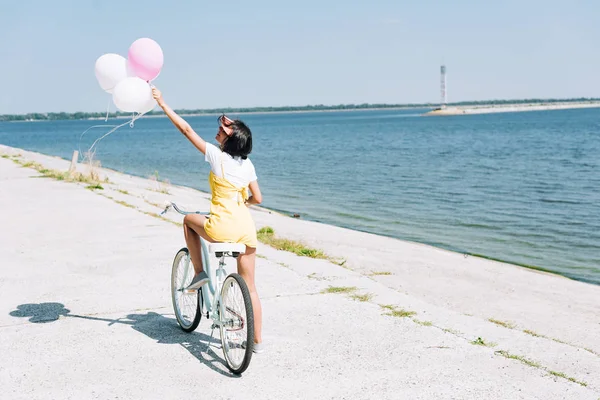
(521, 187)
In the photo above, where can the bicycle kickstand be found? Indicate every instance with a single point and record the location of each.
(212, 332)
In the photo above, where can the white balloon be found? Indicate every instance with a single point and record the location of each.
(133, 95)
(148, 106)
(111, 69)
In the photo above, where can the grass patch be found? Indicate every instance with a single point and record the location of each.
(340, 289)
(92, 179)
(96, 186)
(536, 365)
(452, 331)
(565, 376)
(122, 191)
(123, 203)
(424, 323)
(161, 218)
(401, 313)
(261, 256)
(535, 334)
(480, 342)
(340, 262)
(267, 236)
(532, 333)
(162, 186)
(4, 156)
(591, 351)
(397, 312)
(560, 341)
(524, 360)
(381, 273)
(284, 265)
(507, 325)
(362, 297)
(265, 231)
(154, 204)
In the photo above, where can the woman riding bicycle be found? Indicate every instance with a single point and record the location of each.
(232, 173)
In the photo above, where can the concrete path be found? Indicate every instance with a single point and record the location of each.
(85, 309)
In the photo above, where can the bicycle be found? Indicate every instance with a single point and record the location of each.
(226, 299)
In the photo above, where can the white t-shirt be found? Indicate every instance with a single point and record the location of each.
(237, 171)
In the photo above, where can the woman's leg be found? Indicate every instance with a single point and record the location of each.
(193, 229)
(246, 267)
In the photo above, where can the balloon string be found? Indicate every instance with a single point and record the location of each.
(90, 128)
(106, 134)
(107, 109)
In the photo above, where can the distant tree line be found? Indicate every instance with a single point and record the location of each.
(317, 107)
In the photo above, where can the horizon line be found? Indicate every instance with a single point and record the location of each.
(321, 106)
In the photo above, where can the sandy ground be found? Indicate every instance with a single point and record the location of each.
(501, 108)
(85, 310)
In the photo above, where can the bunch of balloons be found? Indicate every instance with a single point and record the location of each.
(128, 80)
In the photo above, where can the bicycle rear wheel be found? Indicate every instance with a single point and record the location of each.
(187, 306)
(237, 329)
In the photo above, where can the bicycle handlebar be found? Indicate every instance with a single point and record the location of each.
(169, 204)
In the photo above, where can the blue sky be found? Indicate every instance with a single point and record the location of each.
(273, 53)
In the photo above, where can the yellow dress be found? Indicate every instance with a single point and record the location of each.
(230, 220)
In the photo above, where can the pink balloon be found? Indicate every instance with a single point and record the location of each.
(145, 59)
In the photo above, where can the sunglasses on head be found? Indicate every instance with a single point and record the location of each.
(224, 120)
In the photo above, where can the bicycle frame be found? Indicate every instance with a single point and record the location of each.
(211, 291)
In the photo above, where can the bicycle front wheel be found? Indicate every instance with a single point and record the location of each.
(237, 328)
(187, 305)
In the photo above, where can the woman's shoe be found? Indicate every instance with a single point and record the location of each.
(198, 281)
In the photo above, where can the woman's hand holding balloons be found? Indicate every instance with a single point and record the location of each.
(157, 95)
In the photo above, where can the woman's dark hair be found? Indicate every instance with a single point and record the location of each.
(239, 144)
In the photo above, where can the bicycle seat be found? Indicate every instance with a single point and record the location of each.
(226, 249)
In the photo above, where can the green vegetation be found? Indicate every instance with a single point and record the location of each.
(266, 235)
(153, 204)
(340, 289)
(155, 215)
(95, 186)
(397, 312)
(452, 331)
(517, 357)
(591, 351)
(533, 364)
(507, 325)
(532, 333)
(92, 179)
(362, 297)
(565, 376)
(480, 342)
(340, 262)
(381, 273)
(424, 323)
(123, 203)
(162, 186)
(317, 107)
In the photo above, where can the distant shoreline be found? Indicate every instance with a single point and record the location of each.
(502, 108)
(458, 108)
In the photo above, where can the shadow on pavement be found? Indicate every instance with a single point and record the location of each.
(156, 326)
